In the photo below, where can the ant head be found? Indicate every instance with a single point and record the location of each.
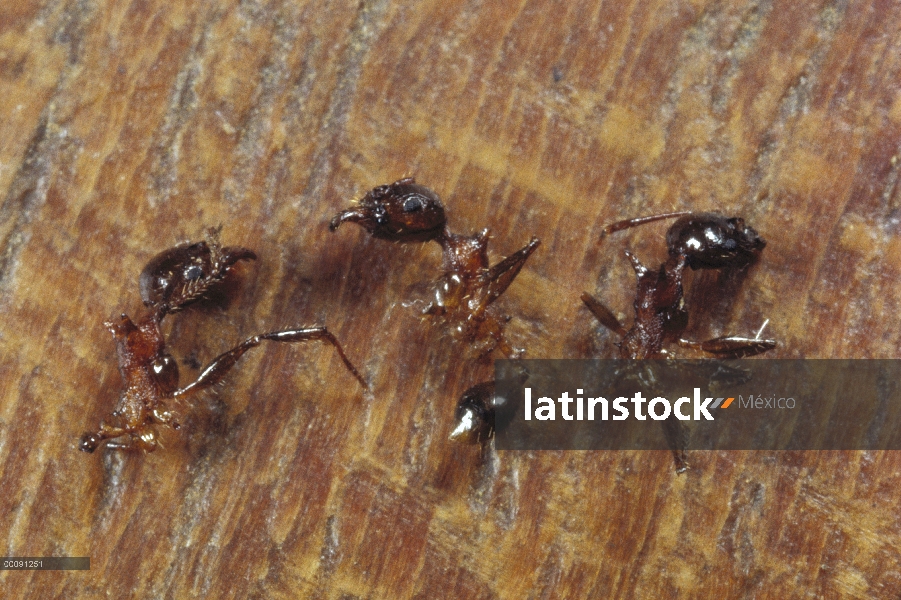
(712, 241)
(401, 212)
(171, 275)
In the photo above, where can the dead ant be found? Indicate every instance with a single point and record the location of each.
(698, 240)
(170, 281)
(701, 241)
(405, 211)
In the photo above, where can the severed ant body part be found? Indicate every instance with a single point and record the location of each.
(474, 416)
(661, 316)
(699, 241)
(170, 281)
(706, 240)
(696, 240)
(405, 211)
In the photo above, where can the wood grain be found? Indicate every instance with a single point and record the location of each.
(131, 126)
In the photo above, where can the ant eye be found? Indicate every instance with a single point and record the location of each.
(412, 205)
(193, 273)
(730, 244)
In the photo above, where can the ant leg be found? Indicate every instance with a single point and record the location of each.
(144, 440)
(731, 347)
(91, 441)
(224, 362)
(165, 416)
(629, 223)
(315, 333)
(603, 314)
(501, 275)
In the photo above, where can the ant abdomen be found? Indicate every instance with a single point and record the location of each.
(712, 241)
(707, 240)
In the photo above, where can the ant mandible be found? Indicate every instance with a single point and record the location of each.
(697, 240)
(405, 211)
(170, 281)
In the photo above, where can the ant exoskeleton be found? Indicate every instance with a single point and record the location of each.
(479, 409)
(700, 241)
(405, 211)
(169, 282)
(697, 240)
(474, 416)
(706, 240)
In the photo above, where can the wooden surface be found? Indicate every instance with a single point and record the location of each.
(128, 127)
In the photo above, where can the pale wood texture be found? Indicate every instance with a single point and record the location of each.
(130, 126)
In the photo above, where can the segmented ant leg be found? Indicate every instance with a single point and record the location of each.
(501, 275)
(603, 314)
(224, 362)
(731, 347)
(629, 223)
(145, 439)
(315, 333)
(91, 441)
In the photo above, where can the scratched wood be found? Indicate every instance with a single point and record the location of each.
(128, 127)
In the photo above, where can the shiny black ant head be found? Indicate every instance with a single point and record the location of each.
(403, 211)
(712, 241)
(474, 418)
(170, 276)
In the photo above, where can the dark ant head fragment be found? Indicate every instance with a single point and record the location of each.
(403, 211)
(481, 411)
(712, 241)
(706, 240)
(180, 275)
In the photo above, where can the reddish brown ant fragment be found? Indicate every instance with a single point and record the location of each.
(405, 211)
(170, 281)
(698, 240)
